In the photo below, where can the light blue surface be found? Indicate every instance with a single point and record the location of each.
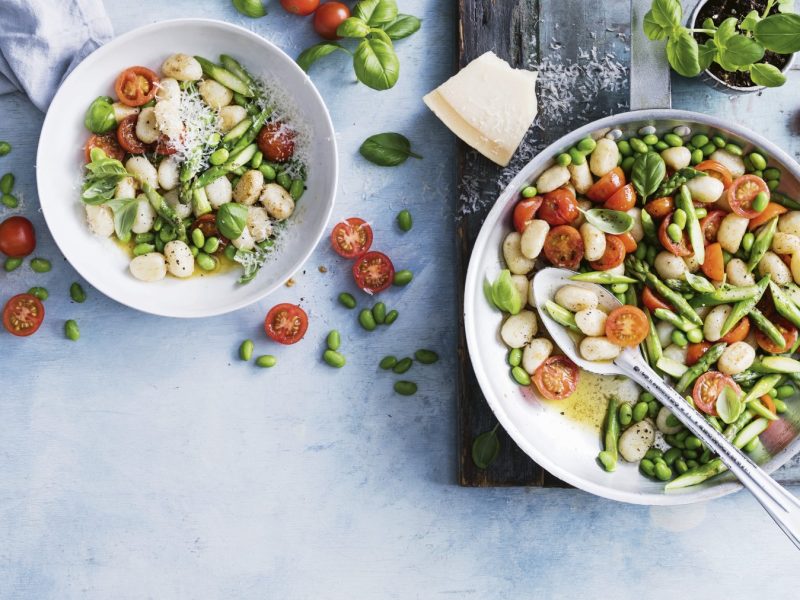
(146, 461)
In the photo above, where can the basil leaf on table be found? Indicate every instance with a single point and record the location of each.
(767, 75)
(779, 33)
(402, 27)
(376, 12)
(647, 173)
(387, 149)
(485, 448)
(353, 27)
(683, 53)
(311, 55)
(100, 115)
(614, 222)
(232, 219)
(250, 8)
(376, 64)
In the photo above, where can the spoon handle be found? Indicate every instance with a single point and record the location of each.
(782, 506)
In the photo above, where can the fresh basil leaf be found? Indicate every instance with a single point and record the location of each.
(725, 31)
(505, 294)
(250, 8)
(376, 64)
(653, 29)
(353, 27)
(749, 22)
(311, 55)
(785, 6)
(729, 405)
(741, 51)
(100, 115)
(376, 12)
(98, 191)
(647, 173)
(699, 284)
(387, 149)
(402, 27)
(232, 219)
(610, 221)
(705, 54)
(708, 23)
(106, 167)
(767, 75)
(779, 33)
(124, 215)
(485, 449)
(667, 13)
(381, 35)
(682, 53)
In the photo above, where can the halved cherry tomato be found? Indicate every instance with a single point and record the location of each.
(126, 136)
(738, 333)
(742, 192)
(769, 404)
(351, 238)
(707, 389)
(556, 378)
(695, 352)
(628, 242)
(559, 207)
(627, 326)
(525, 212)
(164, 146)
(612, 257)
(607, 185)
(107, 142)
(328, 18)
(563, 247)
(276, 141)
(717, 170)
(136, 86)
(714, 265)
(286, 323)
(23, 314)
(17, 237)
(300, 7)
(652, 301)
(208, 225)
(680, 249)
(658, 208)
(773, 209)
(710, 225)
(373, 272)
(788, 331)
(623, 199)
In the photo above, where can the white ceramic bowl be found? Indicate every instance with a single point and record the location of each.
(60, 166)
(567, 448)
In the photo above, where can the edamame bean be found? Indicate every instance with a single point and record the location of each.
(639, 411)
(9, 201)
(297, 189)
(403, 277)
(671, 455)
(692, 464)
(625, 414)
(41, 265)
(653, 454)
(641, 251)
(211, 245)
(679, 218)
(697, 156)
(652, 409)
(663, 472)
(734, 149)
(747, 241)
(624, 148)
(672, 421)
(785, 391)
(143, 248)
(158, 224)
(205, 262)
(334, 340)
(773, 184)
(402, 365)
(695, 335)
(268, 172)
(167, 234)
(758, 174)
(405, 388)
(679, 339)
(5, 148)
(391, 317)
(257, 159)
(619, 288)
(607, 460)
(379, 313)
(198, 239)
(219, 156)
(40, 292)
(650, 139)
(520, 375)
(627, 163)
(347, 300)
(587, 145)
(71, 330)
(230, 251)
(387, 362)
(7, 183)
(771, 174)
(76, 292)
(700, 213)
(564, 159)
(780, 406)
(214, 139)
(709, 149)
(751, 445)
(719, 141)
(194, 250)
(675, 233)
(140, 238)
(638, 145)
(660, 146)
(11, 264)
(515, 357)
(760, 202)
(699, 140)
(367, 320)
(647, 467)
(266, 361)
(404, 220)
(428, 357)
(246, 350)
(529, 192)
(693, 443)
(578, 157)
(284, 181)
(646, 397)
(334, 359)
(758, 161)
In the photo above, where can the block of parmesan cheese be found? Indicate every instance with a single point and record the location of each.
(489, 105)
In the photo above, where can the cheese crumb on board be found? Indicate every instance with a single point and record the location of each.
(489, 105)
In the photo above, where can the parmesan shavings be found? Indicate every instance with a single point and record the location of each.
(200, 122)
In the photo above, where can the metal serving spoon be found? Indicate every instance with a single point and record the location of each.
(782, 506)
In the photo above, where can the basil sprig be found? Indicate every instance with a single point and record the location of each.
(387, 149)
(647, 173)
(101, 179)
(232, 219)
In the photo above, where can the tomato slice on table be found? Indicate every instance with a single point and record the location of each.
(563, 247)
(612, 257)
(107, 142)
(556, 378)
(627, 326)
(788, 331)
(207, 223)
(680, 249)
(373, 272)
(17, 237)
(653, 301)
(126, 136)
(328, 18)
(773, 210)
(742, 192)
(695, 352)
(559, 207)
(658, 208)
(709, 225)
(276, 141)
(707, 389)
(607, 185)
(300, 7)
(623, 199)
(717, 170)
(714, 265)
(352, 237)
(525, 212)
(23, 314)
(738, 333)
(286, 323)
(136, 86)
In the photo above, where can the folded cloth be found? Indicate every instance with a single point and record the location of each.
(43, 40)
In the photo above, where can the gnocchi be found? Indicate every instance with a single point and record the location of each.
(532, 239)
(535, 353)
(734, 164)
(636, 440)
(605, 157)
(149, 267)
(575, 298)
(258, 223)
(738, 274)
(145, 216)
(594, 242)
(249, 187)
(168, 173)
(580, 177)
(715, 319)
(731, 231)
(230, 116)
(790, 222)
(669, 266)
(219, 192)
(785, 243)
(182, 67)
(143, 170)
(598, 349)
(516, 262)
(277, 201)
(215, 94)
(591, 321)
(772, 264)
(677, 158)
(705, 189)
(736, 358)
(100, 219)
(519, 329)
(552, 179)
(180, 261)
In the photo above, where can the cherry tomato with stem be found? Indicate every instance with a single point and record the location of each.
(627, 326)
(743, 191)
(707, 389)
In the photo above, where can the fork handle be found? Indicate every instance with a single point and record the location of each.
(781, 505)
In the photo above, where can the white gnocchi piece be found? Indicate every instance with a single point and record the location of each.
(636, 440)
(521, 283)
(736, 358)
(532, 239)
(516, 262)
(145, 216)
(735, 164)
(149, 267)
(737, 273)
(280, 204)
(214, 94)
(580, 177)
(714, 320)
(594, 242)
(143, 170)
(677, 158)
(705, 189)
(219, 192)
(664, 331)
(168, 119)
(599, 348)
(146, 127)
(773, 265)
(785, 243)
(180, 261)
(230, 116)
(123, 111)
(245, 241)
(535, 353)
(731, 231)
(100, 219)
(692, 264)
(637, 231)
(258, 223)
(669, 266)
(169, 90)
(676, 353)
(249, 187)
(604, 158)
(552, 179)
(790, 222)
(181, 209)
(168, 173)
(519, 329)
(591, 321)
(575, 298)
(126, 188)
(794, 267)
(661, 422)
(182, 67)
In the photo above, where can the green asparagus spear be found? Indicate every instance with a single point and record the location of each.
(743, 307)
(684, 201)
(761, 387)
(673, 319)
(652, 343)
(784, 305)
(235, 67)
(637, 267)
(225, 77)
(700, 367)
(767, 327)
(727, 295)
(784, 200)
(610, 453)
(602, 278)
(164, 210)
(762, 242)
(561, 316)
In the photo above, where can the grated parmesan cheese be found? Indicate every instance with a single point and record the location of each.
(200, 122)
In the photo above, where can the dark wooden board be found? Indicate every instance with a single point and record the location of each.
(526, 33)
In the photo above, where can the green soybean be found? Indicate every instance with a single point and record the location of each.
(297, 189)
(697, 156)
(699, 140)
(587, 145)
(266, 361)
(693, 443)
(514, 357)
(639, 411)
(647, 467)
(638, 145)
(671, 455)
(719, 141)
(627, 163)
(607, 460)
(780, 406)
(334, 340)
(619, 288)
(785, 391)
(5, 148)
(773, 184)
(41, 265)
(679, 218)
(709, 149)
(268, 171)
(9, 201)
(143, 248)
(40, 292)
(7, 183)
(758, 161)
(246, 350)
(206, 262)
(12, 264)
(624, 148)
(529, 191)
(334, 359)
(747, 241)
(211, 245)
(650, 139)
(387, 362)
(653, 454)
(71, 330)
(367, 320)
(577, 157)
(760, 202)
(646, 397)
(564, 159)
(404, 220)
(679, 339)
(695, 335)
(379, 313)
(193, 249)
(391, 317)
(140, 238)
(663, 472)
(257, 159)
(76, 292)
(402, 365)
(405, 388)
(428, 357)
(700, 213)
(675, 233)
(230, 251)
(734, 149)
(660, 146)
(198, 239)
(772, 174)
(219, 156)
(625, 414)
(347, 300)
(520, 375)
(284, 181)
(403, 277)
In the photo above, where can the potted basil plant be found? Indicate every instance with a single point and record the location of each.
(741, 45)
